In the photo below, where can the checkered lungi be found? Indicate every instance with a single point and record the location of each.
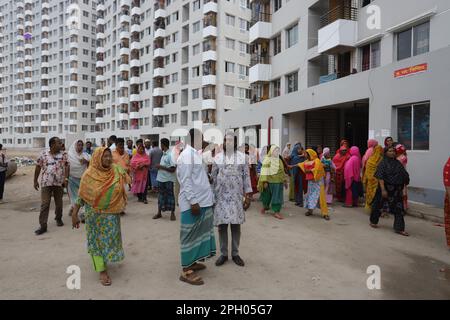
(166, 197)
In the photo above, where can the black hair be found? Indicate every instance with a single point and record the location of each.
(194, 132)
(120, 140)
(113, 138)
(90, 142)
(52, 141)
(1, 146)
(165, 142)
(235, 144)
(138, 141)
(155, 143)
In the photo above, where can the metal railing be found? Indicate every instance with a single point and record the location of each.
(259, 59)
(260, 17)
(340, 12)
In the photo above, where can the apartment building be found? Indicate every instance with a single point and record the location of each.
(47, 70)
(166, 65)
(322, 70)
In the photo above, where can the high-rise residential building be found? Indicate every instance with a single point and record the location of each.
(166, 65)
(47, 70)
(325, 70)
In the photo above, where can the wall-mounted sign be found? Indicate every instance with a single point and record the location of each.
(411, 70)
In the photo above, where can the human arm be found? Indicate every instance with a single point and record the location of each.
(37, 172)
(383, 189)
(185, 179)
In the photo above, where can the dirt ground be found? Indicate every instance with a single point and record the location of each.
(297, 258)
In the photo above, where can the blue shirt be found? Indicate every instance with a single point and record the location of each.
(163, 175)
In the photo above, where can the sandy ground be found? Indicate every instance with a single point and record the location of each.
(298, 258)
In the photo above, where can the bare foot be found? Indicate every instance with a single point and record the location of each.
(374, 226)
(105, 279)
(263, 211)
(403, 233)
(157, 216)
(278, 216)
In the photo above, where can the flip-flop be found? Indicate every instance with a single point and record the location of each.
(197, 267)
(191, 278)
(106, 281)
(403, 233)
(278, 216)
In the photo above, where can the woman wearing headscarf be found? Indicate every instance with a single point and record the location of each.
(271, 181)
(262, 155)
(447, 200)
(103, 196)
(286, 151)
(315, 174)
(370, 182)
(140, 164)
(329, 168)
(400, 150)
(389, 141)
(339, 161)
(251, 160)
(352, 177)
(393, 179)
(78, 163)
(298, 180)
(371, 144)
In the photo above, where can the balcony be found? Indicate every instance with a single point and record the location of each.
(45, 41)
(73, 70)
(100, 50)
(208, 104)
(27, 113)
(28, 102)
(44, 111)
(45, 52)
(100, 64)
(124, 100)
(339, 30)
(44, 123)
(210, 31)
(260, 73)
(99, 106)
(260, 30)
(45, 76)
(73, 96)
(136, 11)
(122, 116)
(125, 18)
(159, 53)
(28, 12)
(45, 5)
(101, 7)
(160, 13)
(28, 46)
(135, 28)
(135, 115)
(45, 29)
(158, 92)
(124, 34)
(45, 65)
(44, 100)
(28, 124)
(135, 45)
(135, 63)
(135, 80)
(99, 92)
(125, 3)
(19, 37)
(135, 98)
(210, 6)
(159, 72)
(124, 51)
(100, 21)
(101, 35)
(45, 17)
(98, 120)
(209, 80)
(124, 84)
(124, 67)
(209, 56)
(158, 112)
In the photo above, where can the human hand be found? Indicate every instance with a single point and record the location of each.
(75, 221)
(36, 186)
(384, 194)
(265, 185)
(195, 208)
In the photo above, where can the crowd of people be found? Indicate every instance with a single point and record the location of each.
(213, 185)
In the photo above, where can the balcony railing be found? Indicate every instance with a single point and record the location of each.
(260, 17)
(259, 59)
(340, 12)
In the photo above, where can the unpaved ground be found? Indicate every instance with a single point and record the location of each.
(298, 258)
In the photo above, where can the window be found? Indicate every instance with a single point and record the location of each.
(230, 20)
(229, 67)
(195, 94)
(229, 91)
(196, 49)
(365, 3)
(194, 115)
(370, 55)
(243, 47)
(174, 118)
(413, 41)
(292, 36)
(276, 45)
(196, 72)
(196, 5)
(230, 43)
(413, 126)
(196, 27)
(276, 88)
(292, 82)
(277, 5)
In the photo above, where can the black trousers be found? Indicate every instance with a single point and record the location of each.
(2, 183)
(142, 196)
(395, 203)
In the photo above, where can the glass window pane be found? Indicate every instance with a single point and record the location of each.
(376, 54)
(404, 44)
(421, 127)
(404, 126)
(422, 38)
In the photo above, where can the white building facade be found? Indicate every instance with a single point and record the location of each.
(325, 70)
(47, 70)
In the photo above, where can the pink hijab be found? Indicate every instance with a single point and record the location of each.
(371, 144)
(352, 169)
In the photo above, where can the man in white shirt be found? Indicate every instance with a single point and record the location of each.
(196, 200)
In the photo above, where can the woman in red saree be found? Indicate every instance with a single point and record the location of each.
(140, 164)
(339, 161)
(447, 200)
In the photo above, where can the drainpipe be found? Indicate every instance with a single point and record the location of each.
(269, 125)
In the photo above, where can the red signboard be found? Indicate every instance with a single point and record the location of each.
(411, 70)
